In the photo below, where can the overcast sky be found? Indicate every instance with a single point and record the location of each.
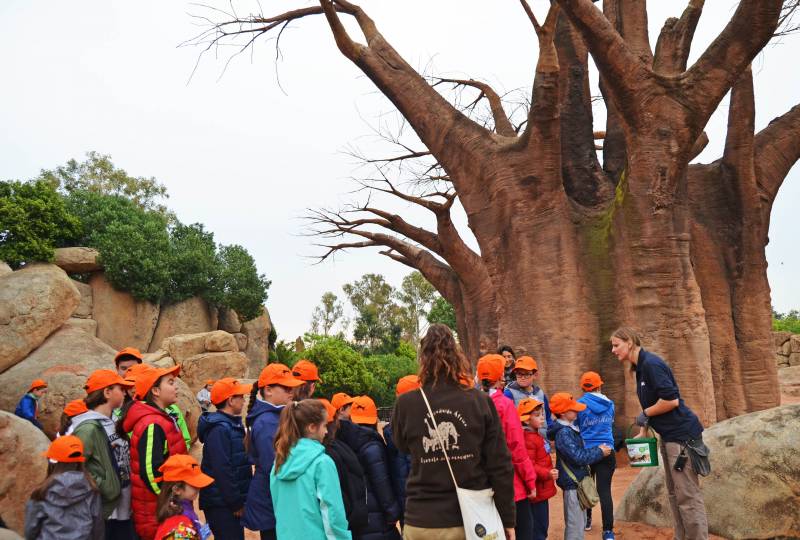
(246, 159)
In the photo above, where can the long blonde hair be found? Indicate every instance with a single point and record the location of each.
(295, 419)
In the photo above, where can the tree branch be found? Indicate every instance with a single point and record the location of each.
(502, 125)
(629, 17)
(739, 140)
(545, 95)
(675, 40)
(777, 149)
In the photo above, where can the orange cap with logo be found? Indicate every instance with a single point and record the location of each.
(562, 402)
(526, 407)
(184, 468)
(340, 399)
(527, 363)
(491, 367)
(329, 408)
(147, 378)
(75, 407)
(364, 411)
(306, 371)
(66, 449)
(277, 374)
(406, 384)
(133, 372)
(591, 381)
(128, 351)
(36, 384)
(103, 378)
(226, 388)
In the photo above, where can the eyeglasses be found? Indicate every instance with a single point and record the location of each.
(525, 374)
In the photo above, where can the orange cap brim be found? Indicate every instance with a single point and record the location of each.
(364, 419)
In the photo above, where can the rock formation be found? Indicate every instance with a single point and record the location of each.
(77, 260)
(188, 317)
(257, 332)
(122, 321)
(787, 348)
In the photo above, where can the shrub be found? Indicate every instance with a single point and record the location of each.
(386, 370)
(239, 287)
(341, 368)
(194, 266)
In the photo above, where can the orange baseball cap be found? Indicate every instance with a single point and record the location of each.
(328, 407)
(364, 411)
(36, 384)
(66, 449)
(305, 371)
(406, 384)
(103, 378)
(277, 374)
(128, 351)
(491, 367)
(227, 388)
(591, 381)
(184, 468)
(210, 382)
(75, 407)
(562, 402)
(340, 399)
(526, 363)
(526, 407)
(148, 377)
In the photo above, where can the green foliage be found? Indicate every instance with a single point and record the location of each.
(386, 370)
(193, 263)
(406, 350)
(33, 221)
(325, 315)
(378, 323)
(442, 312)
(786, 322)
(240, 287)
(415, 296)
(284, 353)
(341, 368)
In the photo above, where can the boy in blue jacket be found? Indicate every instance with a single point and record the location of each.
(28, 406)
(225, 460)
(572, 460)
(595, 423)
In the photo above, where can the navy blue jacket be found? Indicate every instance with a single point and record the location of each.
(399, 468)
(26, 408)
(263, 421)
(224, 460)
(654, 381)
(382, 506)
(352, 482)
(570, 451)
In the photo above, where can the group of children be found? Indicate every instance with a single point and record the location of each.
(295, 467)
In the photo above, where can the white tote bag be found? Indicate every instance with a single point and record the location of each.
(480, 516)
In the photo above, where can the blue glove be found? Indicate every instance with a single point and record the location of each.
(642, 420)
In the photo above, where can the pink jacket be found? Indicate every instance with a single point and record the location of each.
(524, 474)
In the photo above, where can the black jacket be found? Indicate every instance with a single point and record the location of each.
(399, 467)
(383, 510)
(353, 483)
(224, 460)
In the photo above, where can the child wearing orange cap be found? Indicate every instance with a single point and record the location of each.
(71, 410)
(107, 453)
(572, 460)
(342, 403)
(66, 505)
(306, 371)
(596, 422)
(154, 438)
(531, 414)
(399, 462)
(526, 372)
(225, 459)
(28, 406)
(180, 482)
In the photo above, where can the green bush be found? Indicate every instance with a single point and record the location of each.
(442, 312)
(194, 266)
(786, 322)
(239, 287)
(341, 368)
(33, 221)
(386, 370)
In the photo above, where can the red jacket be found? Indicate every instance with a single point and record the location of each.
(524, 474)
(545, 485)
(162, 442)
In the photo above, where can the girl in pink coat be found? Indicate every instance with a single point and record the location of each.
(490, 376)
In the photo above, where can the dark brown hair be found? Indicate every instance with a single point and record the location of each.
(440, 358)
(168, 503)
(295, 419)
(54, 469)
(64, 423)
(96, 398)
(126, 405)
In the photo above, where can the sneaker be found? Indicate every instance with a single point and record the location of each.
(588, 526)
(608, 535)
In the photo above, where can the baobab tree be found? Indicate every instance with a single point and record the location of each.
(571, 244)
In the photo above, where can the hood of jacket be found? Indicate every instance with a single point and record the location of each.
(89, 416)
(300, 459)
(356, 436)
(139, 410)
(262, 407)
(209, 420)
(68, 489)
(597, 403)
(555, 428)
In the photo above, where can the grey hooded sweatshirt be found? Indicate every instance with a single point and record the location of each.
(71, 510)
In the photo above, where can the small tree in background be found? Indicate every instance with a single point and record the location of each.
(442, 312)
(327, 314)
(786, 322)
(415, 296)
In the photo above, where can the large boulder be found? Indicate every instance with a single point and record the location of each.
(195, 371)
(77, 260)
(789, 378)
(184, 346)
(34, 302)
(122, 321)
(87, 325)
(257, 332)
(64, 360)
(192, 316)
(84, 309)
(23, 466)
(753, 490)
(229, 321)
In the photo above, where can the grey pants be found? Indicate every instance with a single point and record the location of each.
(685, 497)
(574, 516)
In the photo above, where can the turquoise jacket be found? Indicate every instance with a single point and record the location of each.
(306, 495)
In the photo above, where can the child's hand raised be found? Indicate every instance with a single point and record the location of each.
(554, 474)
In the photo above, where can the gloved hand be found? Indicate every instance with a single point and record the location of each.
(642, 420)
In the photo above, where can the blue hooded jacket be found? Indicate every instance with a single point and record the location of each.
(597, 420)
(224, 460)
(570, 451)
(263, 421)
(26, 408)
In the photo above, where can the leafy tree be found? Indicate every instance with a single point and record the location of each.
(326, 314)
(442, 312)
(240, 287)
(341, 368)
(786, 322)
(386, 370)
(97, 174)
(284, 353)
(415, 295)
(193, 263)
(33, 222)
(378, 323)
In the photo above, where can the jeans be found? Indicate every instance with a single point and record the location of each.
(523, 527)
(685, 497)
(541, 519)
(603, 471)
